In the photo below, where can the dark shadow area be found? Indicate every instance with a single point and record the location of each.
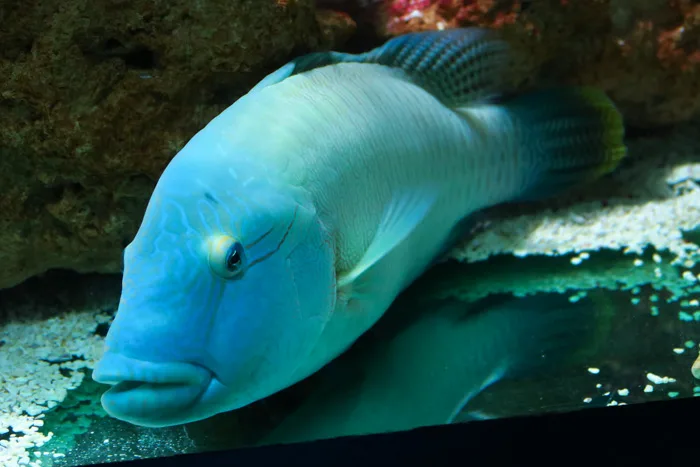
(135, 56)
(56, 291)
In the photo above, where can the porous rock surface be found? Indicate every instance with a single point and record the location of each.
(96, 96)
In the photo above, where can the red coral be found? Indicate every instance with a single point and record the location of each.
(404, 7)
(403, 16)
(678, 46)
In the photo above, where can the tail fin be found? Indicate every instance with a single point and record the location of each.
(571, 136)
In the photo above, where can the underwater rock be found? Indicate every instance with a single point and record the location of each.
(97, 96)
(645, 54)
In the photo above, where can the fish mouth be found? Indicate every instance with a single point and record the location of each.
(152, 394)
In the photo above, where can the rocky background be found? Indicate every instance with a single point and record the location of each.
(97, 96)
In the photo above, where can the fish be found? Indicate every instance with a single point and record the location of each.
(423, 366)
(285, 228)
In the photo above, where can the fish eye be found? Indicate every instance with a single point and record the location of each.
(226, 257)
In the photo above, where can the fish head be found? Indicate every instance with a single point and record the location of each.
(227, 286)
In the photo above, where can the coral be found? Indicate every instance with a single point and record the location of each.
(97, 96)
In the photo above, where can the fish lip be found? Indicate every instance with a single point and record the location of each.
(115, 368)
(151, 394)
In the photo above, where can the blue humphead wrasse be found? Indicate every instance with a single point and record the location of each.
(286, 227)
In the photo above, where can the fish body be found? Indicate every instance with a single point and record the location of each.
(286, 227)
(423, 171)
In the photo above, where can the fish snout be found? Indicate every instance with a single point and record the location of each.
(149, 393)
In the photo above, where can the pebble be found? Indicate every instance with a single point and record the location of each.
(656, 379)
(687, 275)
(683, 316)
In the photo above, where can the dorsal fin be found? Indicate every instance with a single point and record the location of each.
(458, 66)
(301, 64)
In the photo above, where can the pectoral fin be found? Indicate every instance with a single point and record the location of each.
(401, 216)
